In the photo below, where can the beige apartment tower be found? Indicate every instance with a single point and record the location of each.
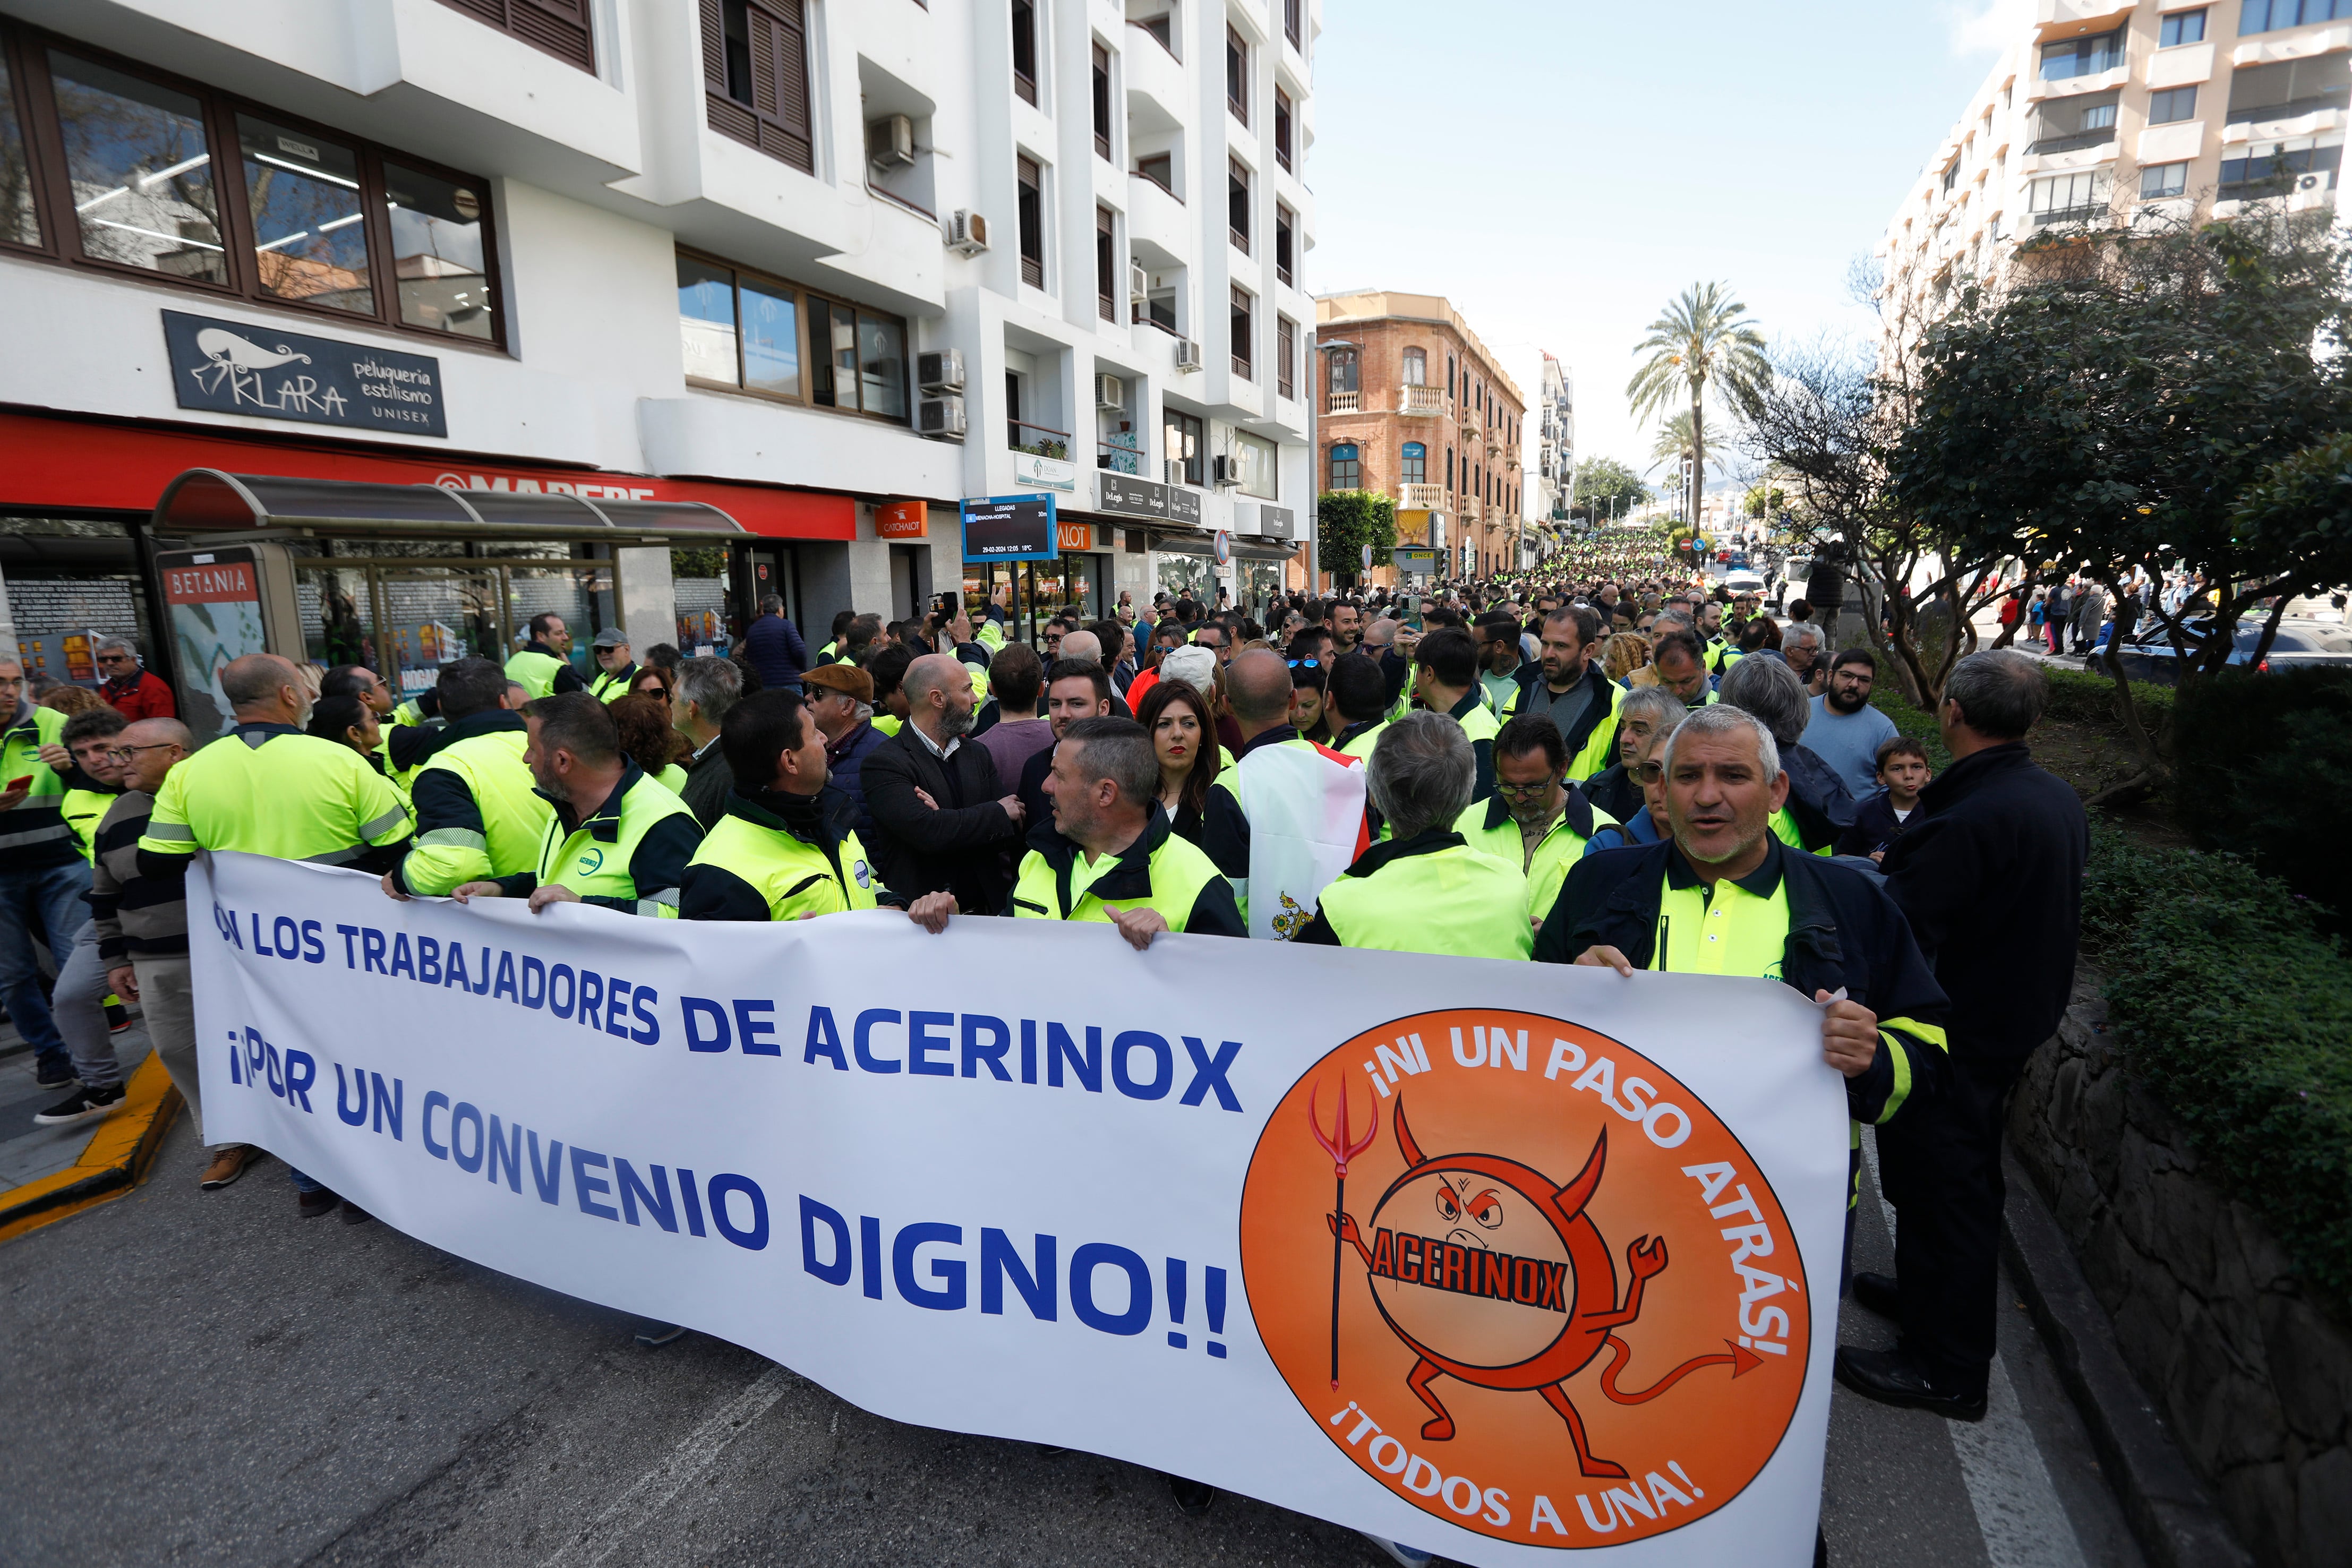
(2103, 111)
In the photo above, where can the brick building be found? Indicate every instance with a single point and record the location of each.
(1412, 405)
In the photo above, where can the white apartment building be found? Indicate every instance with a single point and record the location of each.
(828, 267)
(1552, 487)
(2100, 110)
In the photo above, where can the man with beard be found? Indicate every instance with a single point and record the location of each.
(1845, 731)
(943, 822)
(1567, 686)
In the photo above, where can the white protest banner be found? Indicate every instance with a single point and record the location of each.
(1020, 1180)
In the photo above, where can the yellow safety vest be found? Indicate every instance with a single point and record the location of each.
(795, 877)
(271, 789)
(593, 859)
(514, 815)
(1488, 827)
(1177, 870)
(83, 809)
(1431, 893)
(612, 685)
(37, 818)
(535, 671)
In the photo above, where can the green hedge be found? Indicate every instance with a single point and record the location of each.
(2257, 760)
(2236, 1008)
(2078, 696)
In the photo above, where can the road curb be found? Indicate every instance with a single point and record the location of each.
(2172, 1513)
(116, 1159)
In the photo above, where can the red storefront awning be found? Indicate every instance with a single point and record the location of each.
(72, 464)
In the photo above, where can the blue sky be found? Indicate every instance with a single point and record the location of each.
(1559, 169)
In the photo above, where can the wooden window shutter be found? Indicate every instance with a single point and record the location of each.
(558, 26)
(780, 84)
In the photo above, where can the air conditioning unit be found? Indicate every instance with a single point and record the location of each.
(890, 142)
(966, 232)
(1139, 282)
(1171, 470)
(2311, 182)
(940, 370)
(943, 417)
(1223, 472)
(1188, 354)
(1110, 393)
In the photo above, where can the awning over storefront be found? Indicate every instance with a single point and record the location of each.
(206, 500)
(58, 464)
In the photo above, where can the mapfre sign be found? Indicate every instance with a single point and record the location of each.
(524, 485)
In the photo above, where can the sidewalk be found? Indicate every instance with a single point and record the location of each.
(49, 1173)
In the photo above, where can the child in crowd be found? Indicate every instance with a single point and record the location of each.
(1882, 819)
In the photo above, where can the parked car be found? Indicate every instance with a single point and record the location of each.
(1740, 580)
(2148, 656)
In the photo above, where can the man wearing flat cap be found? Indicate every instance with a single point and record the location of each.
(841, 698)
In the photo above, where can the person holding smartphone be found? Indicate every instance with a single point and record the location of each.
(43, 878)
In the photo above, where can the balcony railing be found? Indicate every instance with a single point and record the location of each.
(1418, 401)
(2075, 142)
(1120, 455)
(2083, 214)
(1421, 497)
(2295, 108)
(1342, 402)
(1037, 440)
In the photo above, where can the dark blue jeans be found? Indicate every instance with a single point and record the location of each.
(48, 903)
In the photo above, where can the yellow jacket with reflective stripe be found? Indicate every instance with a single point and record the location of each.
(1429, 894)
(1159, 871)
(535, 670)
(271, 789)
(83, 809)
(612, 685)
(479, 817)
(35, 832)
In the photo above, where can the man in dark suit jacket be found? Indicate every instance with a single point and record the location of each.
(942, 823)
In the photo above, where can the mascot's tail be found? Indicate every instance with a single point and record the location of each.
(1740, 1359)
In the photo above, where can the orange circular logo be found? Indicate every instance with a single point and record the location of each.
(1525, 1279)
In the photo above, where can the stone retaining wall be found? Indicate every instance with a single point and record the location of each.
(2255, 1378)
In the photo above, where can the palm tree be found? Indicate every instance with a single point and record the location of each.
(1674, 443)
(1700, 335)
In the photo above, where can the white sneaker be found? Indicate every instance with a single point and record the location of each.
(1409, 1556)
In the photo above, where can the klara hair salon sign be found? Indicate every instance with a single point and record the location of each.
(236, 367)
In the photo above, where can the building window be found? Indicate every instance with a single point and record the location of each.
(1414, 469)
(2291, 88)
(2268, 15)
(1254, 457)
(1182, 433)
(303, 218)
(1449, 375)
(1161, 169)
(756, 78)
(1237, 203)
(1105, 264)
(1236, 75)
(1293, 22)
(1416, 367)
(2065, 124)
(1024, 50)
(2068, 198)
(1282, 129)
(1341, 376)
(1033, 221)
(742, 329)
(1286, 357)
(1102, 100)
(2180, 28)
(1346, 469)
(2163, 180)
(2172, 104)
(558, 26)
(2085, 56)
(2277, 173)
(1951, 176)
(1245, 334)
(1449, 470)
(1286, 245)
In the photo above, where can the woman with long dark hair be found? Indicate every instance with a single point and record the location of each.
(1184, 737)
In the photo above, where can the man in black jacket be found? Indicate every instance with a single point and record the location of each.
(1724, 896)
(942, 820)
(1990, 874)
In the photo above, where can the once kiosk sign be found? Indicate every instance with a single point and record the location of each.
(1009, 528)
(234, 367)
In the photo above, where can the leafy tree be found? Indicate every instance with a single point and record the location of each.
(2139, 403)
(1605, 488)
(1698, 338)
(1766, 500)
(1347, 520)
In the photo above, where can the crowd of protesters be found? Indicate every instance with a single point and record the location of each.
(1608, 766)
